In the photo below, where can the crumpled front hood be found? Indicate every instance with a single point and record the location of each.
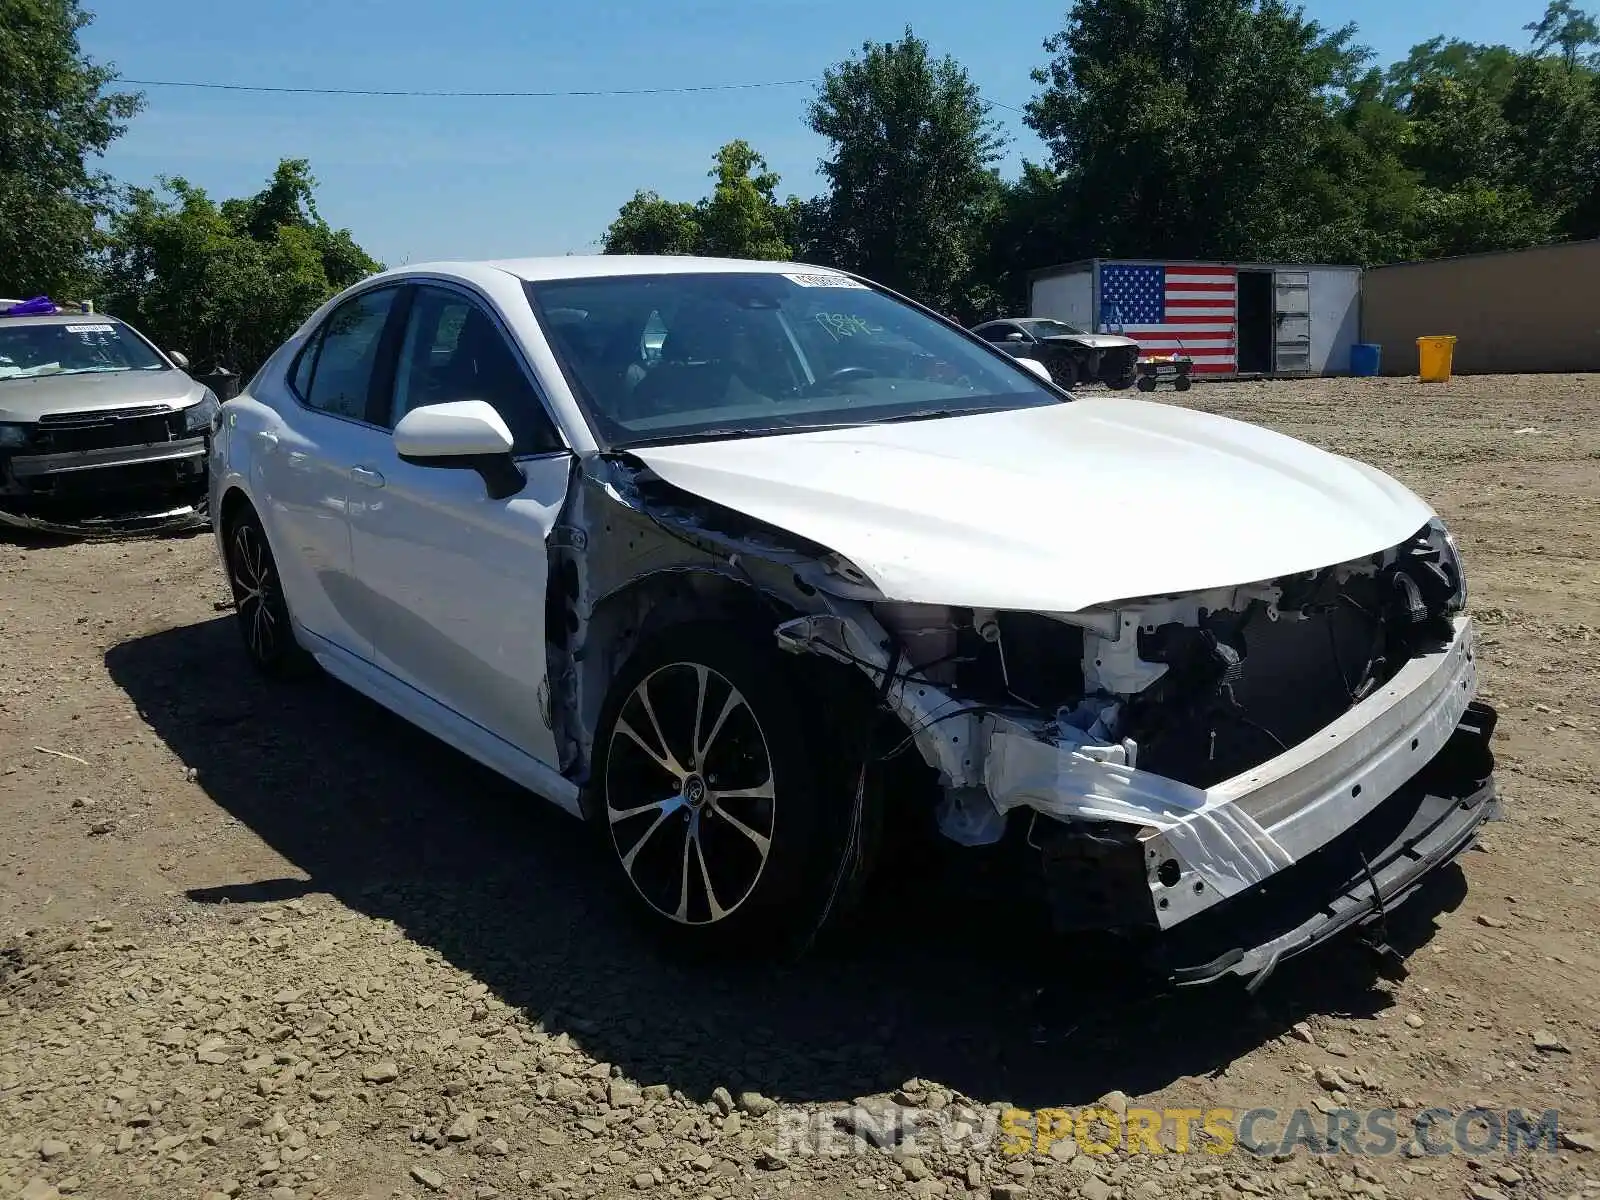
(1093, 341)
(27, 398)
(1057, 508)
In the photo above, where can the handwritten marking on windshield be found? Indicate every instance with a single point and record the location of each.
(843, 325)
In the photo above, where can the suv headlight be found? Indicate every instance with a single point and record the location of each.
(13, 437)
(200, 416)
(1441, 539)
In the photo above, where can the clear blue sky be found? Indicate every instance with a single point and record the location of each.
(418, 178)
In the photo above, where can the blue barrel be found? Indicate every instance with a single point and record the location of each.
(1364, 358)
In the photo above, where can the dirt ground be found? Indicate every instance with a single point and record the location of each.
(271, 942)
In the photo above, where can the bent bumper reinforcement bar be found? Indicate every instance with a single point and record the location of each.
(1354, 881)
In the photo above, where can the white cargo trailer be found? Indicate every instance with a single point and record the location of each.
(1233, 319)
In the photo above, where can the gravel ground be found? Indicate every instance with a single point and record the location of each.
(271, 942)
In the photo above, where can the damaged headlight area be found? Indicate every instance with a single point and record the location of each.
(1174, 753)
(200, 417)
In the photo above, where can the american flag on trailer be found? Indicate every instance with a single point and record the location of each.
(1181, 308)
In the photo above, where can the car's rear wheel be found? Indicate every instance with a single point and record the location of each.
(720, 818)
(260, 608)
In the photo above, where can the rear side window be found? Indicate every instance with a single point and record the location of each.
(334, 373)
(300, 377)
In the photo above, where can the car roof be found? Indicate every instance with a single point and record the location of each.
(602, 266)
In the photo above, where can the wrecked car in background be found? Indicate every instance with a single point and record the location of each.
(100, 432)
(741, 561)
(1073, 355)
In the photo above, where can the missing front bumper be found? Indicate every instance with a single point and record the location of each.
(115, 491)
(1353, 882)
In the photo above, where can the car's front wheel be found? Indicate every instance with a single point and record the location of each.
(261, 610)
(1066, 371)
(719, 817)
(1119, 370)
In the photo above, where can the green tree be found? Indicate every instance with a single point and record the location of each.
(647, 224)
(1564, 26)
(1027, 228)
(1190, 127)
(1487, 67)
(1505, 146)
(908, 169)
(56, 117)
(227, 283)
(742, 217)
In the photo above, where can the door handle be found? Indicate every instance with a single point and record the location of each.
(269, 441)
(366, 476)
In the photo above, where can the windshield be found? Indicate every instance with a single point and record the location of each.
(1043, 327)
(669, 357)
(28, 351)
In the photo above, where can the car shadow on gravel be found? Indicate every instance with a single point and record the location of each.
(932, 981)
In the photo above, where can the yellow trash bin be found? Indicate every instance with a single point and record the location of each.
(1434, 355)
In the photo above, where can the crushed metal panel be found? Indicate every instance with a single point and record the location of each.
(630, 553)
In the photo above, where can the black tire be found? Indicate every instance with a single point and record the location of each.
(259, 604)
(1182, 383)
(744, 852)
(1066, 372)
(1147, 383)
(1119, 370)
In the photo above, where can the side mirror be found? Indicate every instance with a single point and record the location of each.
(1037, 367)
(1014, 336)
(179, 357)
(463, 434)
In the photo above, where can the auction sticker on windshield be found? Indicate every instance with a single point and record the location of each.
(92, 328)
(839, 281)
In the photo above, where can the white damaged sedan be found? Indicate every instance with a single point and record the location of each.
(739, 560)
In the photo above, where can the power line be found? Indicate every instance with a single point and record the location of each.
(331, 91)
(507, 95)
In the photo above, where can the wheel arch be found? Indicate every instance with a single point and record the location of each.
(234, 501)
(653, 605)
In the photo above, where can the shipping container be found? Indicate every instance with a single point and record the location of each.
(1235, 320)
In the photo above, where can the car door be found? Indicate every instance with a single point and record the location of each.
(303, 465)
(999, 332)
(456, 579)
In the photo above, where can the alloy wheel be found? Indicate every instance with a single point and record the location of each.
(255, 591)
(689, 793)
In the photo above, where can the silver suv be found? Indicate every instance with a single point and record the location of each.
(99, 430)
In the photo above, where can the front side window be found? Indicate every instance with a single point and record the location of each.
(344, 354)
(73, 348)
(452, 350)
(747, 353)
